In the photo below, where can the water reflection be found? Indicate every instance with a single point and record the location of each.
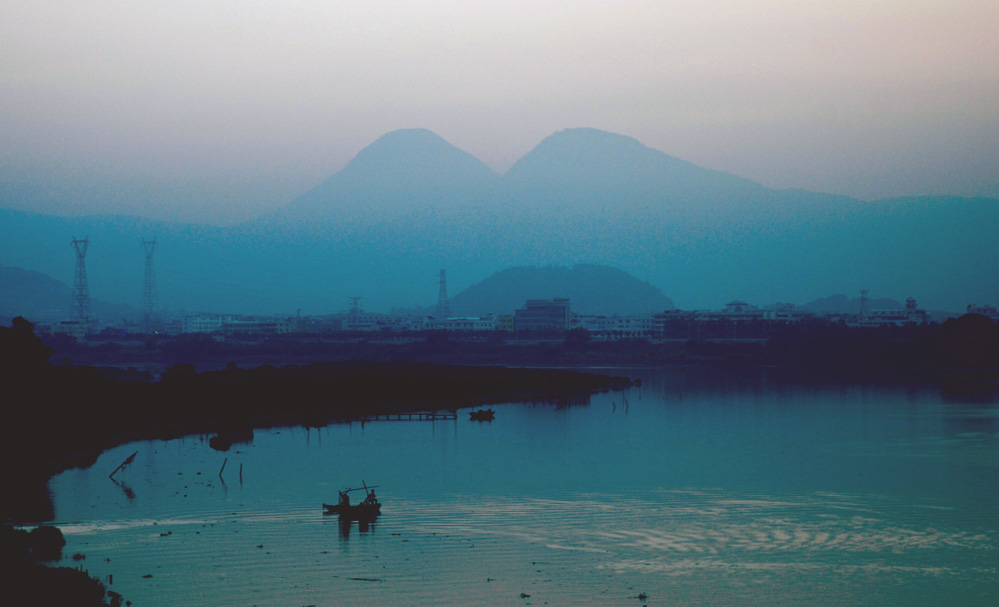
(364, 525)
(128, 491)
(700, 487)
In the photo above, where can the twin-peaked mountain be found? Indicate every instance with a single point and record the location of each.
(413, 173)
(411, 204)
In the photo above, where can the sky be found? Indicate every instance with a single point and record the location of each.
(220, 111)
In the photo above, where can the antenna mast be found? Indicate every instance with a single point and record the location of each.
(80, 304)
(148, 286)
(443, 306)
(355, 306)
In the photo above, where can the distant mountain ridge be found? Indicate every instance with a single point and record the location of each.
(411, 204)
(39, 297)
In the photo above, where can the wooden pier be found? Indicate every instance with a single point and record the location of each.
(406, 417)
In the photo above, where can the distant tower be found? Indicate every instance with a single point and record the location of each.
(80, 304)
(355, 306)
(148, 286)
(863, 303)
(443, 307)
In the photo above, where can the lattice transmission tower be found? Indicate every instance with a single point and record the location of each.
(355, 306)
(443, 306)
(148, 286)
(80, 304)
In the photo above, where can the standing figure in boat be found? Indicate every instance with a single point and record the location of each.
(367, 509)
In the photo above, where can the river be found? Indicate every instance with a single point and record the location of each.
(699, 487)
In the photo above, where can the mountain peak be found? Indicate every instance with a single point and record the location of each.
(399, 172)
(590, 163)
(417, 139)
(601, 142)
(409, 156)
(585, 156)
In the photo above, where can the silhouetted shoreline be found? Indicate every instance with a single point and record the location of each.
(969, 341)
(63, 416)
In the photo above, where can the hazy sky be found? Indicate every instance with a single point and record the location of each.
(222, 109)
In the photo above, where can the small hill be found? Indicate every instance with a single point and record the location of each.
(31, 294)
(39, 297)
(592, 289)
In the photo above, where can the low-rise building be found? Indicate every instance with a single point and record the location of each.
(989, 311)
(910, 315)
(227, 325)
(461, 324)
(77, 329)
(787, 313)
(254, 326)
(201, 324)
(543, 316)
(617, 327)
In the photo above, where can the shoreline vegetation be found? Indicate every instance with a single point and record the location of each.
(60, 416)
(64, 416)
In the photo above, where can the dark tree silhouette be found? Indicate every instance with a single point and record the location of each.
(970, 340)
(20, 348)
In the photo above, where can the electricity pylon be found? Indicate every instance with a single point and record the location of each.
(148, 286)
(443, 306)
(80, 304)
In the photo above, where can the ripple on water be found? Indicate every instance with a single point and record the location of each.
(567, 550)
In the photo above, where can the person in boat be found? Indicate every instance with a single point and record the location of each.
(344, 500)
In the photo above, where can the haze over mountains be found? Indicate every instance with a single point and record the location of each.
(411, 204)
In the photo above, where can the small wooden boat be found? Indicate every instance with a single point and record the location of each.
(366, 510)
(482, 415)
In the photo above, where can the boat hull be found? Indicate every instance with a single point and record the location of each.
(355, 512)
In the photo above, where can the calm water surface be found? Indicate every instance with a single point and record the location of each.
(701, 487)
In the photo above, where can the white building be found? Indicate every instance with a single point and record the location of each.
(787, 313)
(616, 327)
(897, 317)
(201, 324)
(465, 324)
(273, 326)
(207, 325)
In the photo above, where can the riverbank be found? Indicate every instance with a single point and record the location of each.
(69, 415)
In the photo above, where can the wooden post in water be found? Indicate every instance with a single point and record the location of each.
(128, 460)
(223, 466)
